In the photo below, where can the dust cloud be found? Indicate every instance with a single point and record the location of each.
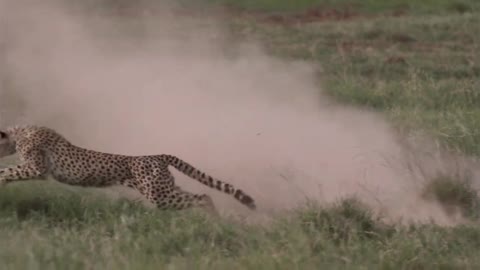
(153, 82)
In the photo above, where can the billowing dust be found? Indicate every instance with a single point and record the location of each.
(153, 82)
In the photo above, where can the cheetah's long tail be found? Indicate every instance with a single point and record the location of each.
(207, 180)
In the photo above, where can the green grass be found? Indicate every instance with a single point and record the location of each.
(420, 71)
(366, 6)
(295, 6)
(45, 226)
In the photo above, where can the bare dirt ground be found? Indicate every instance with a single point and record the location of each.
(168, 84)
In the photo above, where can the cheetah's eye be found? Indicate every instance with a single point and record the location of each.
(3, 135)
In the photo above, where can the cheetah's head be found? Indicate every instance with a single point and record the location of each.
(7, 145)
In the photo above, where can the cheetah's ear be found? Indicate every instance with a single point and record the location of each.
(3, 135)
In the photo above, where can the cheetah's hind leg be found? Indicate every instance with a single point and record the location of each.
(167, 196)
(185, 200)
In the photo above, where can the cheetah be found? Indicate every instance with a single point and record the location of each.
(44, 152)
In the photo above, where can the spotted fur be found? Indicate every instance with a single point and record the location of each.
(45, 152)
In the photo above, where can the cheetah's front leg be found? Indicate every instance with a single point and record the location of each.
(20, 173)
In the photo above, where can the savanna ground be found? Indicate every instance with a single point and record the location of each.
(417, 62)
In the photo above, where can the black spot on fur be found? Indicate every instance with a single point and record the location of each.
(189, 170)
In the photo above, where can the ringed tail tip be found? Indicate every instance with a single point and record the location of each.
(245, 199)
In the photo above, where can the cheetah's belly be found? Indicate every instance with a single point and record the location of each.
(69, 172)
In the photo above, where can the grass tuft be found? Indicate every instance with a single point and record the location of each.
(345, 220)
(454, 193)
